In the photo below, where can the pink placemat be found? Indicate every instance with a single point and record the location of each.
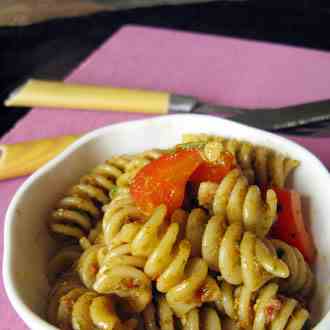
(215, 69)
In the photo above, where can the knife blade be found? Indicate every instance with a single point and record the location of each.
(272, 119)
(286, 117)
(40, 93)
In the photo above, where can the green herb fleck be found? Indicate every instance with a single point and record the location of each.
(113, 192)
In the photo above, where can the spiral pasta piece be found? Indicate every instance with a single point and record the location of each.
(78, 212)
(240, 203)
(183, 278)
(240, 256)
(263, 310)
(89, 264)
(122, 219)
(72, 306)
(116, 272)
(259, 164)
(301, 279)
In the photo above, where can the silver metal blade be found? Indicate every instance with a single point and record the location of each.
(308, 131)
(276, 119)
(220, 109)
(182, 103)
(188, 104)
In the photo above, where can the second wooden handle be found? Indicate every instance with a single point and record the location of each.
(40, 93)
(24, 158)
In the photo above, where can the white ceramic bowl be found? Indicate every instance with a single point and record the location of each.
(27, 243)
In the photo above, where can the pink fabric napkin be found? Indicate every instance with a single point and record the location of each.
(215, 69)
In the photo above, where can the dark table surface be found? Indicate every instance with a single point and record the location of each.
(52, 49)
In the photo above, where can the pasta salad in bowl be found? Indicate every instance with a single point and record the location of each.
(176, 222)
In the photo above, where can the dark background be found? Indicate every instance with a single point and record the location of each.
(52, 49)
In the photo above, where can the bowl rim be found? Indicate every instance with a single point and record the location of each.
(22, 309)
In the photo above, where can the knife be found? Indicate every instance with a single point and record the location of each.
(41, 93)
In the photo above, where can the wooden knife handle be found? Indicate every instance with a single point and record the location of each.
(24, 158)
(41, 93)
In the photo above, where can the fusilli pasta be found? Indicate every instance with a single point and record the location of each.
(78, 212)
(119, 221)
(301, 279)
(184, 279)
(262, 310)
(239, 202)
(179, 252)
(73, 306)
(116, 272)
(261, 165)
(239, 255)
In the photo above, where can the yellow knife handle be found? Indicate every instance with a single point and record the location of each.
(41, 93)
(24, 158)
